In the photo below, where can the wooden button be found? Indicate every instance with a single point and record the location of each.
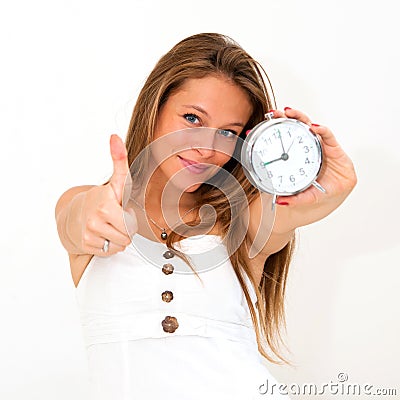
(170, 324)
(168, 269)
(167, 296)
(168, 254)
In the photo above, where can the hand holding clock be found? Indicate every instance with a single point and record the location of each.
(337, 177)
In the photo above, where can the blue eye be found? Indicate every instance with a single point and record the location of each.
(192, 118)
(226, 133)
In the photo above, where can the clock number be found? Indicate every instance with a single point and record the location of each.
(268, 139)
(289, 133)
(292, 178)
(307, 161)
(300, 139)
(262, 165)
(280, 178)
(269, 174)
(302, 172)
(306, 149)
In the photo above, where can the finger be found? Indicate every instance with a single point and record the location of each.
(286, 201)
(277, 113)
(113, 235)
(296, 114)
(125, 222)
(325, 133)
(98, 251)
(309, 196)
(94, 236)
(121, 175)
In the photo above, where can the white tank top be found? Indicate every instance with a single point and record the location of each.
(154, 331)
(141, 293)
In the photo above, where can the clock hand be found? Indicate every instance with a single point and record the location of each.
(285, 155)
(276, 159)
(291, 144)
(280, 138)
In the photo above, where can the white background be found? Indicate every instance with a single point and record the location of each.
(70, 73)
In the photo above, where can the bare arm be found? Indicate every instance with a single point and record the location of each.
(266, 236)
(66, 207)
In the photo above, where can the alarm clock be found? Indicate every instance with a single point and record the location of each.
(281, 156)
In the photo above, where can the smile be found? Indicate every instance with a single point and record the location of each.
(193, 166)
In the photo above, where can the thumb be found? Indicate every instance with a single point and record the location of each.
(121, 176)
(130, 221)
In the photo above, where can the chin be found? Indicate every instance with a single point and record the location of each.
(193, 188)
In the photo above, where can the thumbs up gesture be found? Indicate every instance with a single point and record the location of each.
(121, 177)
(99, 214)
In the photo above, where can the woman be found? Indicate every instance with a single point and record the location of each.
(144, 339)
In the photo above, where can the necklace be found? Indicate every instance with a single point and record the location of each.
(164, 234)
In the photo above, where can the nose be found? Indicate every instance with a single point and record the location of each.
(206, 146)
(206, 152)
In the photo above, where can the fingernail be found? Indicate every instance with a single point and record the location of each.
(282, 203)
(315, 125)
(247, 132)
(271, 111)
(287, 108)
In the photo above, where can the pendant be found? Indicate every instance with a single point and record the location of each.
(164, 235)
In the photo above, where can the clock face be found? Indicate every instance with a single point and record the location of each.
(285, 156)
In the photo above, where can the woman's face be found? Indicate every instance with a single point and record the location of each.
(213, 102)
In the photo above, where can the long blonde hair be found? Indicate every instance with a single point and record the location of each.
(196, 57)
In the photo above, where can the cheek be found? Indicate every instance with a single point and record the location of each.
(170, 165)
(221, 159)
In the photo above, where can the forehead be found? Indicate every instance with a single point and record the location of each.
(215, 94)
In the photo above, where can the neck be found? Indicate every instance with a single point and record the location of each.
(164, 204)
(158, 196)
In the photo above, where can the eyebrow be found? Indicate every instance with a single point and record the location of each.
(200, 109)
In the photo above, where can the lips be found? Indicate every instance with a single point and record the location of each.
(193, 166)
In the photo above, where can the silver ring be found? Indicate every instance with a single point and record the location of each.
(106, 245)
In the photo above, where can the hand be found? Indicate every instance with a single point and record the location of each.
(337, 176)
(100, 215)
